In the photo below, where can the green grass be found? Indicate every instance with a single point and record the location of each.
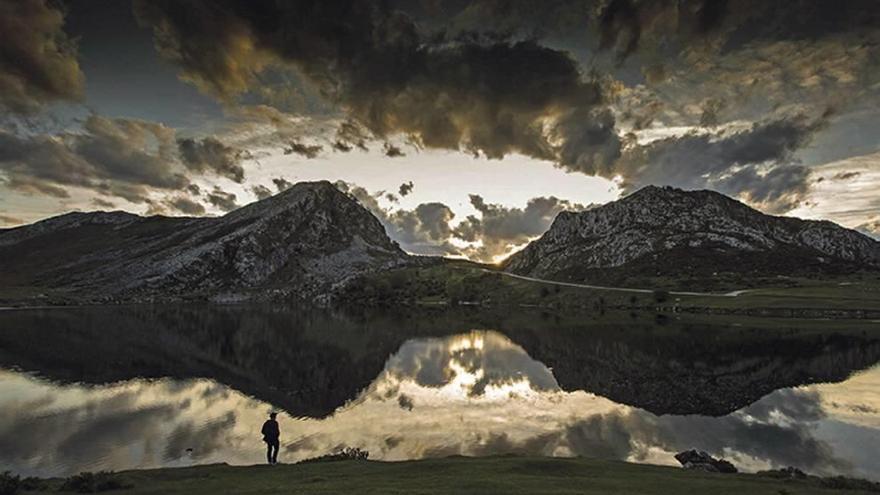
(458, 475)
(465, 282)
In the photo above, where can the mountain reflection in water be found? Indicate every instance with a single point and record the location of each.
(476, 392)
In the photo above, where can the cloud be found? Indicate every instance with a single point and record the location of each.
(392, 151)
(185, 205)
(479, 94)
(118, 157)
(10, 220)
(261, 191)
(282, 184)
(210, 155)
(38, 61)
(306, 150)
(405, 188)
(125, 158)
(429, 227)
(846, 175)
(871, 228)
(102, 203)
(202, 440)
(422, 230)
(500, 229)
(754, 163)
(222, 199)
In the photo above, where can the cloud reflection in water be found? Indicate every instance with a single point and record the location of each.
(471, 394)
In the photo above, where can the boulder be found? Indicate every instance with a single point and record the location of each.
(696, 459)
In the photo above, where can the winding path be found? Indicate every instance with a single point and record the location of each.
(621, 289)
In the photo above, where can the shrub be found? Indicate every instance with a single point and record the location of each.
(87, 482)
(9, 483)
(346, 454)
(843, 483)
(661, 296)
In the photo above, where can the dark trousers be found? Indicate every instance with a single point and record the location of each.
(272, 450)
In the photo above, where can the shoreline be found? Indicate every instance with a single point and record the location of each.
(465, 475)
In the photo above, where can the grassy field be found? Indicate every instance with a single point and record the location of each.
(483, 476)
(468, 283)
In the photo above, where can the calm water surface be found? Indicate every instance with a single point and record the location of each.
(134, 387)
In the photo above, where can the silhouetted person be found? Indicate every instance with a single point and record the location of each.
(271, 433)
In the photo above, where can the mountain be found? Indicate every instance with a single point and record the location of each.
(297, 244)
(667, 236)
(310, 362)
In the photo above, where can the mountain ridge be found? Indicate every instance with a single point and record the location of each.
(298, 243)
(665, 229)
(309, 242)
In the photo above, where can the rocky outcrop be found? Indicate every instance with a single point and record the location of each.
(300, 243)
(669, 231)
(699, 460)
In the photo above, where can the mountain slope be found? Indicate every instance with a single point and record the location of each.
(691, 238)
(298, 243)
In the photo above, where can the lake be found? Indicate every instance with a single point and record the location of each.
(113, 388)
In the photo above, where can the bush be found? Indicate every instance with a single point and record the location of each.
(87, 482)
(9, 483)
(346, 454)
(661, 296)
(843, 483)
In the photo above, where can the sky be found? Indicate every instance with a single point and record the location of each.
(464, 126)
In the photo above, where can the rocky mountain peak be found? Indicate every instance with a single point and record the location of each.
(702, 228)
(300, 243)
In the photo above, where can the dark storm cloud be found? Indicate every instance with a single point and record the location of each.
(350, 135)
(306, 150)
(210, 155)
(775, 190)
(423, 230)
(499, 228)
(622, 23)
(222, 199)
(125, 158)
(38, 61)
(392, 151)
(261, 191)
(185, 205)
(405, 188)
(120, 157)
(846, 175)
(428, 228)
(480, 94)
(754, 163)
(282, 184)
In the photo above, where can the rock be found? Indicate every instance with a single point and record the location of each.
(667, 232)
(695, 459)
(298, 244)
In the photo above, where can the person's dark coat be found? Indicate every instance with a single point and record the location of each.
(270, 431)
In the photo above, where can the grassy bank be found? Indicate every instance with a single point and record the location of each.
(501, 475)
